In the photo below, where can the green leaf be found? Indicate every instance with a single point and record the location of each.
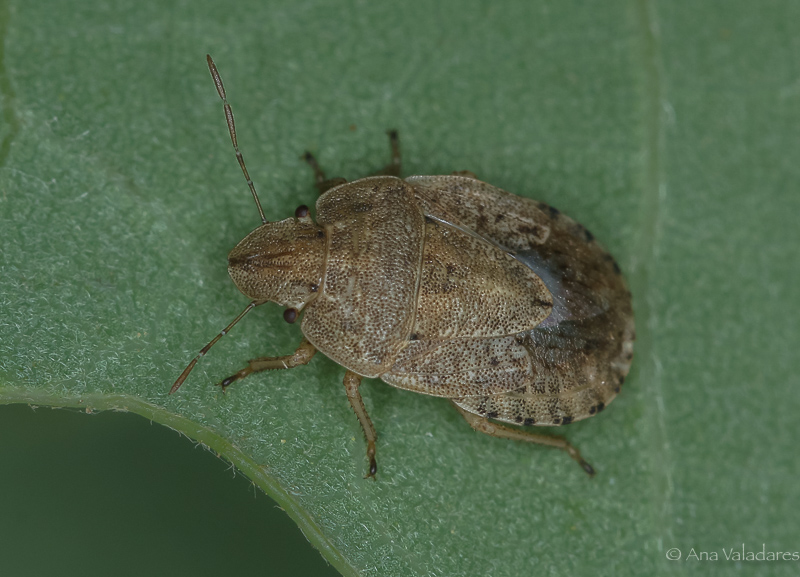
(668, 129)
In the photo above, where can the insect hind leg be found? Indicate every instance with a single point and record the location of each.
(305, 351)
(483, 425)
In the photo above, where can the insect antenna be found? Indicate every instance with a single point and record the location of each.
(232, 129)
(205, 349)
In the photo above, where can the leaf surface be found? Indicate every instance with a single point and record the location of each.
(668, 129)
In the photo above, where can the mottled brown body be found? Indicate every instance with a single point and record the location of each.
(447, 286)
(418, 284)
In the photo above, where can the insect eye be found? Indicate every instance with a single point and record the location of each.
(290, 315)
(301, 212)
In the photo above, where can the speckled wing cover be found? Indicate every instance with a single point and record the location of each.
(549, 365)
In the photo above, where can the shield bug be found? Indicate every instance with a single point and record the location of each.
(446, 286)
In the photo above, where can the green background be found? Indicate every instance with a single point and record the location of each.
(670, 129)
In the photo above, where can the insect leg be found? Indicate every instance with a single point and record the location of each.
(301, 356)
(394, 166)
(467, 173)
(483, 425)
(323, 184)
(351, 383)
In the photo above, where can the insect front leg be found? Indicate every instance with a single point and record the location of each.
(323, 184)
(305, 351)
(467, 173)
(351, 383)
(395, 164)
(483, 425)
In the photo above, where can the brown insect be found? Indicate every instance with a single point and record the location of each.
(447, 286)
